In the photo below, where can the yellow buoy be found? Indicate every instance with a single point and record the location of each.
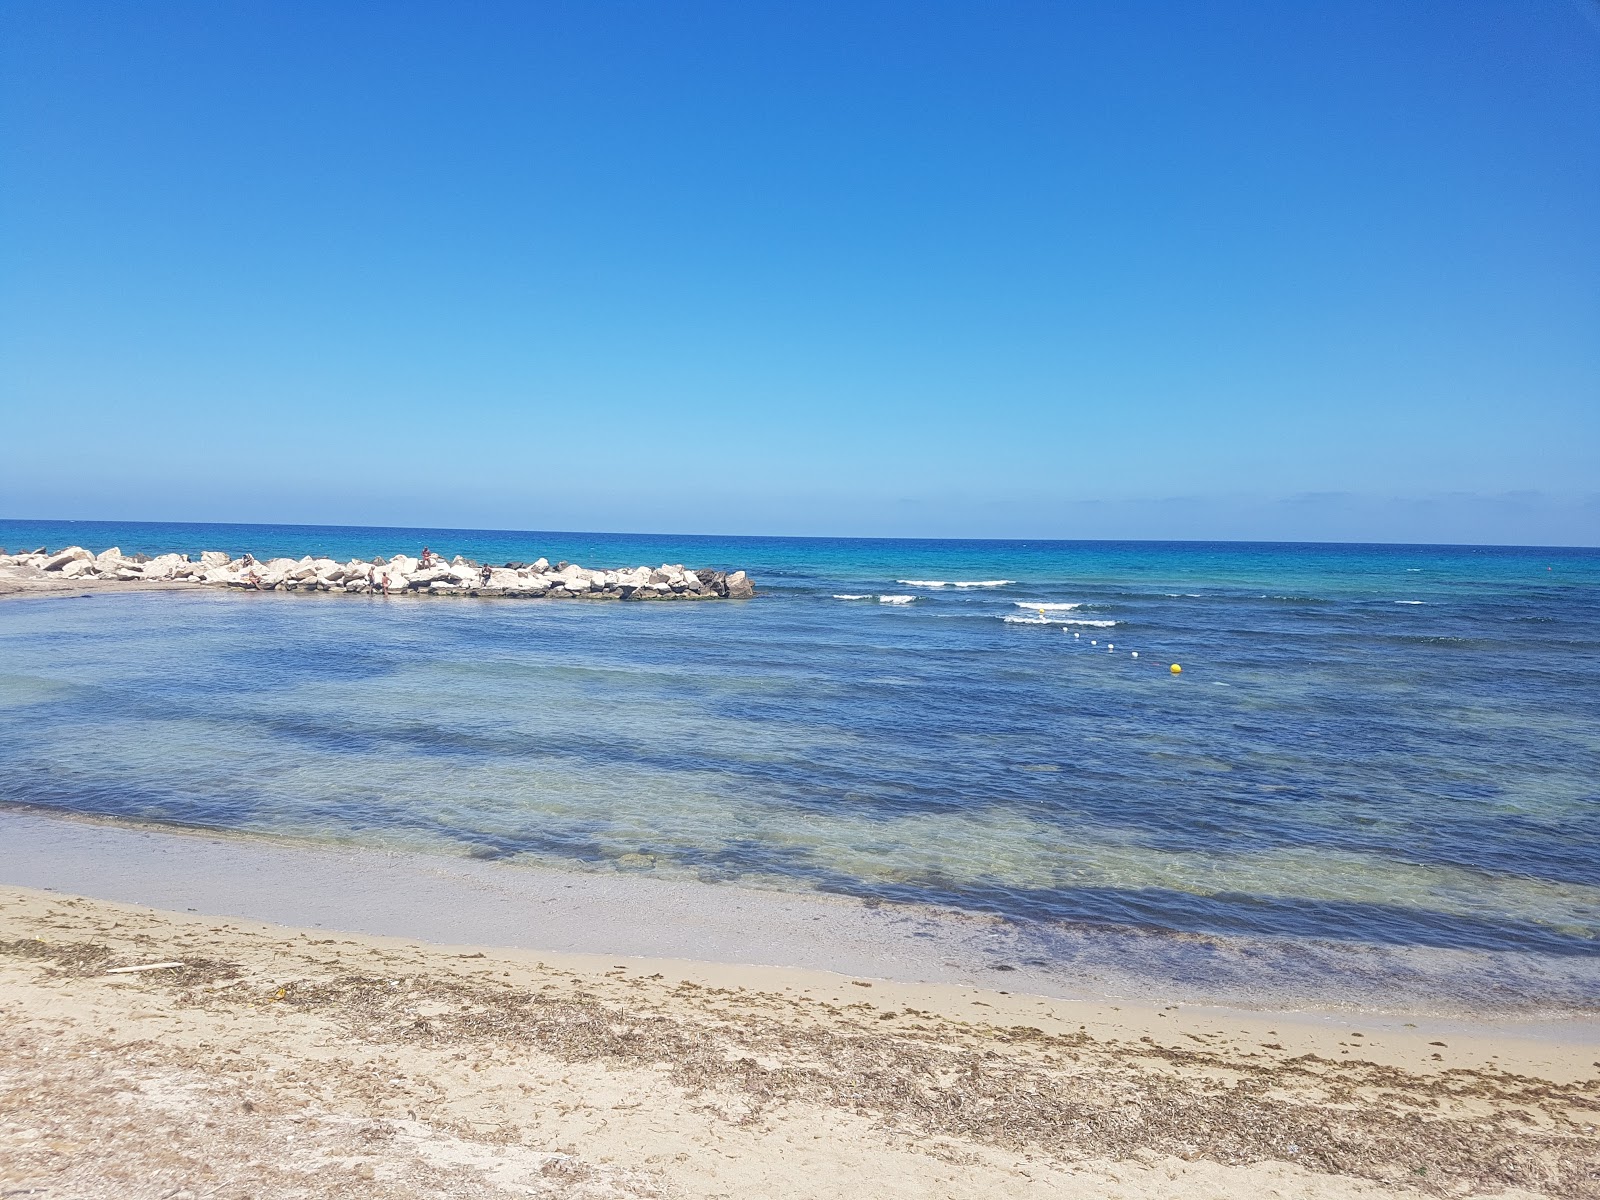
(1176, 669)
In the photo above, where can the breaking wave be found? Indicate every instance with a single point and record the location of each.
(1056, 621)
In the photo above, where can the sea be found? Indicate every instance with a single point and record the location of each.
(1298, 752)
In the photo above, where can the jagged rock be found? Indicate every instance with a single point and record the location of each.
(739, 586)
(211, 558)
(71, 554)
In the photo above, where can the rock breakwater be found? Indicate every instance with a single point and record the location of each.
(429, 574)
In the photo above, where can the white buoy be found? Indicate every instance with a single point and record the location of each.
(1136, 654)
(1111, 645)
(1094, 641)
(1077, 635)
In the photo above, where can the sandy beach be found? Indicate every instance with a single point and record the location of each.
(298, 1062)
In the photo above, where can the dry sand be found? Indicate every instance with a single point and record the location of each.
(278, 1062)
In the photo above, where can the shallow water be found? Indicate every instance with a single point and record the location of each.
(1389, 746)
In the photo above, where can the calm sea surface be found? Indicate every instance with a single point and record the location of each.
(1390, 746)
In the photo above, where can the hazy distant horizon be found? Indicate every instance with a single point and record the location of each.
(712, 534)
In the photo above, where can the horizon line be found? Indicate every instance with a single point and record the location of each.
(820, 537)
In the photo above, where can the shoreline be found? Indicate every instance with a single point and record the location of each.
(335, 1064)
(520, 906)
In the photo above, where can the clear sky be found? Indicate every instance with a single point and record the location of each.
(1234, 270)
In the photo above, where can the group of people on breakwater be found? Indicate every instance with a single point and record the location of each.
(427, 574)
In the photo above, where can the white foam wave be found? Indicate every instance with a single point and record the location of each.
(1410, 601)
(955, 583)
(895, 599)
(1039, 607)
(1056, 621)
(838, 596)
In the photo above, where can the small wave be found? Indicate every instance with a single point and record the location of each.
(956, 583)
(1056, 621)
(1410, 601)
(839, 596)
(1038, 607)
(895, 599)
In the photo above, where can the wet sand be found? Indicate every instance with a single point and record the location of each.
(21, 583)
(288, 1059)
(642, 912)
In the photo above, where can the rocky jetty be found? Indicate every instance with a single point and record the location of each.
(401, 575)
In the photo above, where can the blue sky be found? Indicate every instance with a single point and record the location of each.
(1225, 270)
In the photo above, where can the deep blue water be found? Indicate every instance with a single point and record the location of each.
(1391, 745)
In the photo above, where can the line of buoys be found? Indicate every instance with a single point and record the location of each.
(1111, 648)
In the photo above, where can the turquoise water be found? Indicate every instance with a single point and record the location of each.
(1390, 746)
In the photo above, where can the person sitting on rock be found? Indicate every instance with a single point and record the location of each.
(485, 574)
